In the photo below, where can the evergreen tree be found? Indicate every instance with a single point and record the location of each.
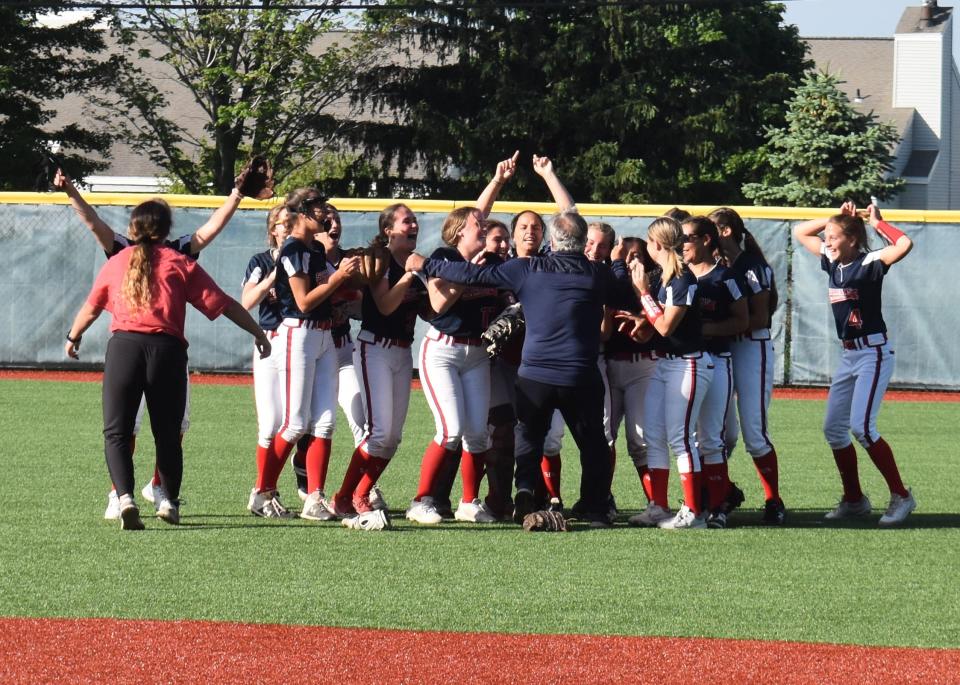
(827, 153)
(39, 65)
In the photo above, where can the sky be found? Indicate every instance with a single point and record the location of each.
(848, 18)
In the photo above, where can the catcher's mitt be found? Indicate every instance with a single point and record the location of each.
(256, 179)
(545, 521)
(502, 329)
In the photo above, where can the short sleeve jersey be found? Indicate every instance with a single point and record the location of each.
(181, 245)
(854, 293)
(399, 324)
(753, 272)
(344, 303)
(688, 337)
(476, 307)
(718, 289)
(620, 343)
(260, 266)
(299, 258)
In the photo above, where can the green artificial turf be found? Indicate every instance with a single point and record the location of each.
(809, 581)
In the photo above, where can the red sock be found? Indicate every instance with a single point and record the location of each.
(645, 482)
(276, 458)
(318, 459)
(769, 476)
(691, 490)
(429, 468)
(263, 454)
(718, 484)
(846, 459)
(372, 469)
(882, 457)
(550, 467)
(659, 479)
(355, 470)
(471, 473)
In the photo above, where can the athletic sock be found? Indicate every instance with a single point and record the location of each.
(718, 485)
(769, 475)
(846, 458)
(355, 471)
(882, 457)
(276, 458)
(373, 467)
(263, 453)
(659, 480)
(690, 482)
(318, 459)
(550, 467)
(471, 473)
(429, 467)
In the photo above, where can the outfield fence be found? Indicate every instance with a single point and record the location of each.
(48, 260)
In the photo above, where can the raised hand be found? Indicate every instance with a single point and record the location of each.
(506, 169)
(414, 262)
(543, 166)
(61, 180)
(638, 275)
(849, 208)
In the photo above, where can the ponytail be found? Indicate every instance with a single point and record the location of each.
(728, 218)
(150, 223)
(668, 233)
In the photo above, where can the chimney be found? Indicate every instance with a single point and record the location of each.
(926, 13)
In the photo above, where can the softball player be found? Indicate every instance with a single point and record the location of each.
(383, 361)
(724, 312)
(112, 243)
(455, 372)
(866, 360)
(308, 363)
(680, 381)
(752, 353)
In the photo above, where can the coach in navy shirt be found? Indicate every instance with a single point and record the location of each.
(563, 294)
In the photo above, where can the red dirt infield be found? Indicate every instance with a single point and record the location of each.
(107, 650)
(247, 379)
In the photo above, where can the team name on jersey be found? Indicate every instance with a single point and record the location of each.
(843, 295)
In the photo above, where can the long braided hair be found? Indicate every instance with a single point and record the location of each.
(150, 224)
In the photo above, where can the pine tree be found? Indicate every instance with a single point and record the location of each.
(827, 153)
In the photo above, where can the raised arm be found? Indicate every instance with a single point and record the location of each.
(808, 234)
(204, 235)
(544, 168)
(664, 320)
(899, 244)
(504, 173)
(103, 233)
(388, 299)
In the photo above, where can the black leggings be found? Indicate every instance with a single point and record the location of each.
(155, 366)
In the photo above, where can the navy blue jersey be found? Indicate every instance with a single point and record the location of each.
(344, 303)
(752, 273)
(563, 295)
(688, 337)
(400, 324)
(476, 307)
(297, 257)
(260, 266)
(181, 245)
(855, 294)
(718, 289)
(620, 343)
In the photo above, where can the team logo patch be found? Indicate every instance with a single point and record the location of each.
(843, 294)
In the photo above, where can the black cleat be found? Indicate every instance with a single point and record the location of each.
(717, 519)
(774, 513)
(523, 504)
(734, 499)
(556, 504)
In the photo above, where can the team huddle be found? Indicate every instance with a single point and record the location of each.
(667, 338)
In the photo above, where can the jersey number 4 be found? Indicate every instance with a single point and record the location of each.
(855, 320)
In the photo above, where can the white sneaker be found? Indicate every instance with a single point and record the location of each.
(651, 516)
(267, 505)
(898, 509)
(424, 512)
(113, 507)
(315, 507)
(129, 514)
(153, 493)
(372, 520)
(685, 518)
(168, 511)
(473, 512)
(846, 510)
(377, 500)
(303, 495)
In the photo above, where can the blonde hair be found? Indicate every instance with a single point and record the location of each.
(605, 229)
(150, 223)
(454, 223)
(668, 233)
(271, 222)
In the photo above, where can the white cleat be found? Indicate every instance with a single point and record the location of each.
(849, 510)
(377, 500)
(316, 507)
(424, 512)
(473, 512)
(267, 505)
(651, 516)
(168, 511)
(129, 514)
(153, 493)
(372, 520)
(898, 509)
(113, 507)
(684, 519)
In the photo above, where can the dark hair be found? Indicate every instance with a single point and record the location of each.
(703, 226)
(852, 227)
(496, 223)
(298, 200)
(150, 223)
(386, 221)
(680, 215)
(724, 217)
(516, 219)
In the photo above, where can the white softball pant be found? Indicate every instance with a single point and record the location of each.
(348, 394)
(715, 412)
(309, 378)
(184, 422)
(753, 381)
(267, 392)
(628, 380)
(672, 409)
(856, 393)
(385, 371)
(456, 382)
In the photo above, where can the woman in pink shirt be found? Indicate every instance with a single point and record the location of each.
(146, 288)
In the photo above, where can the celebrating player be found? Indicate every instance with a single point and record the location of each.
(752, 353)
(146, 288)
(866, 360)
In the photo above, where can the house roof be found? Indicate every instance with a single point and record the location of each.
(910, 21)
(864, 64)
